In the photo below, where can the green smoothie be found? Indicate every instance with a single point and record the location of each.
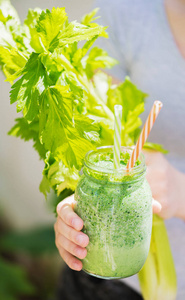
(116, 207)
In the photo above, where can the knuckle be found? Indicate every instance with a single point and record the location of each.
(72, 248)
(60, 240)
(55, 227)
(59, 208)
(75, 250)
(79, 252)
(72, 235)
(62, 254)
(56, 242)
(69, 218)
(67, 245)
(70, 262)
(62, 228)
(65, 213)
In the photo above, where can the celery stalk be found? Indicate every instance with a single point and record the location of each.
(158, 276)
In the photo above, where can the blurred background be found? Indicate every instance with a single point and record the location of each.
(29, 263)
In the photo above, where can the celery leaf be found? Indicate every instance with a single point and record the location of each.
(97, 58)
(49, 25)
(75, 32)
(29, 87)
(28, 131)
(156, 147)
(57, 129)
(11, 61)
(30, 23)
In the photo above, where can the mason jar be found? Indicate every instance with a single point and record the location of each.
(116, 207)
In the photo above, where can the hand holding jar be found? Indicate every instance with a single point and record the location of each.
(67, 229)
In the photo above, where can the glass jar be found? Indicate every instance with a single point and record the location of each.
(116, 207)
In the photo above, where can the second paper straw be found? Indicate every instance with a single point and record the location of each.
(145, 133)
(117, 135)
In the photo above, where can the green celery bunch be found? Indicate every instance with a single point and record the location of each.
(66, 100)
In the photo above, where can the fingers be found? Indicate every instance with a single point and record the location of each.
(69, 239)
(71, 247)
(156, 206)
(71, 234)
(69, 200)
(69, 217)
(70, 260)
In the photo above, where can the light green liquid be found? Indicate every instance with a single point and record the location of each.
(118, 220)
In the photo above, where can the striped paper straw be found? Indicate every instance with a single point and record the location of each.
(117, 135)
(145, 133)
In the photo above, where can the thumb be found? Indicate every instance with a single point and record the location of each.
(156, 206)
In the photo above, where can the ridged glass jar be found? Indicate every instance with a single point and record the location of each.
(116, 207)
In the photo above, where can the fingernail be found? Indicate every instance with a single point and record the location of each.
(76, 266)
(80, 239)
(81, 253)
(76, 223)
(158, 205)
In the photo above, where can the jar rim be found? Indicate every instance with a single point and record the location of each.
(122, 171)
